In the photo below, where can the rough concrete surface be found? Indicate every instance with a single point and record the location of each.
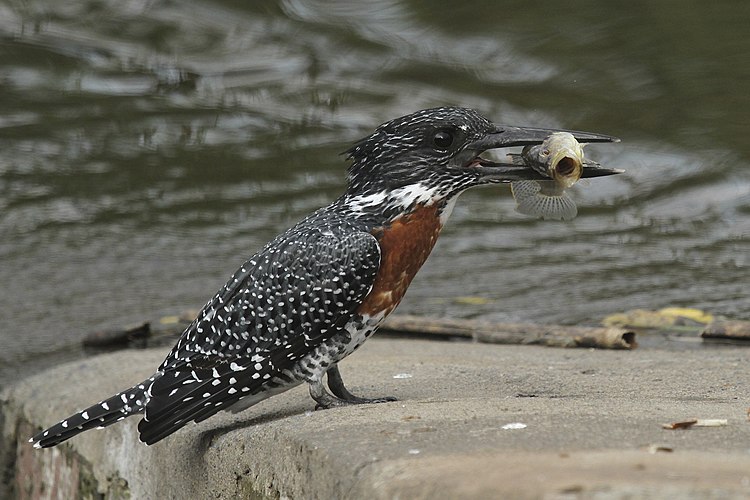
(592, 429)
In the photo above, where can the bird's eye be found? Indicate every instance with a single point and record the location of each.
(442, 139)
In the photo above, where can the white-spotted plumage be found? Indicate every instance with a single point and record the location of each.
(295, 309)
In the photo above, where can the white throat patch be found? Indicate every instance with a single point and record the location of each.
(413, 194)
(404, 197)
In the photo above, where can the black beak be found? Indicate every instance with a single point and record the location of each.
(507, 136)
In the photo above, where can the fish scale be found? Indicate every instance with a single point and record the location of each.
(316, 292)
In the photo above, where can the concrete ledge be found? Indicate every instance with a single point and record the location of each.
(590, 418)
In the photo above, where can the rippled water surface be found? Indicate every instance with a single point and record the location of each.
(147, 148)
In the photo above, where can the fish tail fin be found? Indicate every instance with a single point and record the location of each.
(543, 199)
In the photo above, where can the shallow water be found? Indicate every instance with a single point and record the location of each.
(148, 148)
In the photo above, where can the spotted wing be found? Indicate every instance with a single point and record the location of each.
(282, 304)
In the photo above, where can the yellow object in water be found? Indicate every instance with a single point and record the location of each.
(686, 312)
(474, 301)
(662, 319)
(169, 320)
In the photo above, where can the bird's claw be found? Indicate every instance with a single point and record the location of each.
(325, 403)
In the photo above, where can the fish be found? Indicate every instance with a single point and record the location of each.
(559, 158)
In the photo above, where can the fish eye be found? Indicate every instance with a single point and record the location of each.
(442, 140)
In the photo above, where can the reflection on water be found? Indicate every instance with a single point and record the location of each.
(150, 147)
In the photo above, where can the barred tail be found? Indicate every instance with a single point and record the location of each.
(124, 404)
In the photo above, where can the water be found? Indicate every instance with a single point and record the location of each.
(148, 148)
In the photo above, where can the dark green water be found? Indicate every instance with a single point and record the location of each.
(147, 148)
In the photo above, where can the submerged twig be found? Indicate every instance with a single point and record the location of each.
(513, 333)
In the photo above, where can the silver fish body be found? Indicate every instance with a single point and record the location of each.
(559, 158)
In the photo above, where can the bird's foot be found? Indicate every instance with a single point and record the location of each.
(326, 401)
(336, 384)
(356, 400)
(341, 396)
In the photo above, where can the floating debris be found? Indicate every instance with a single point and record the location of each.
(169, 320)
(163, 331)
(725, 329)
(472, 300)
(402, 375)
(687, 313)
(118, 336)
(511, 333)
(666, 318)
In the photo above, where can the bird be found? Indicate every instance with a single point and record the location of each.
(315, 293)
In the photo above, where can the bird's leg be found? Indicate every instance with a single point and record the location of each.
(336, 384)
(341, 396)
(323, 398)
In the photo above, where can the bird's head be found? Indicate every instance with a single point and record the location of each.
(438, 150)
